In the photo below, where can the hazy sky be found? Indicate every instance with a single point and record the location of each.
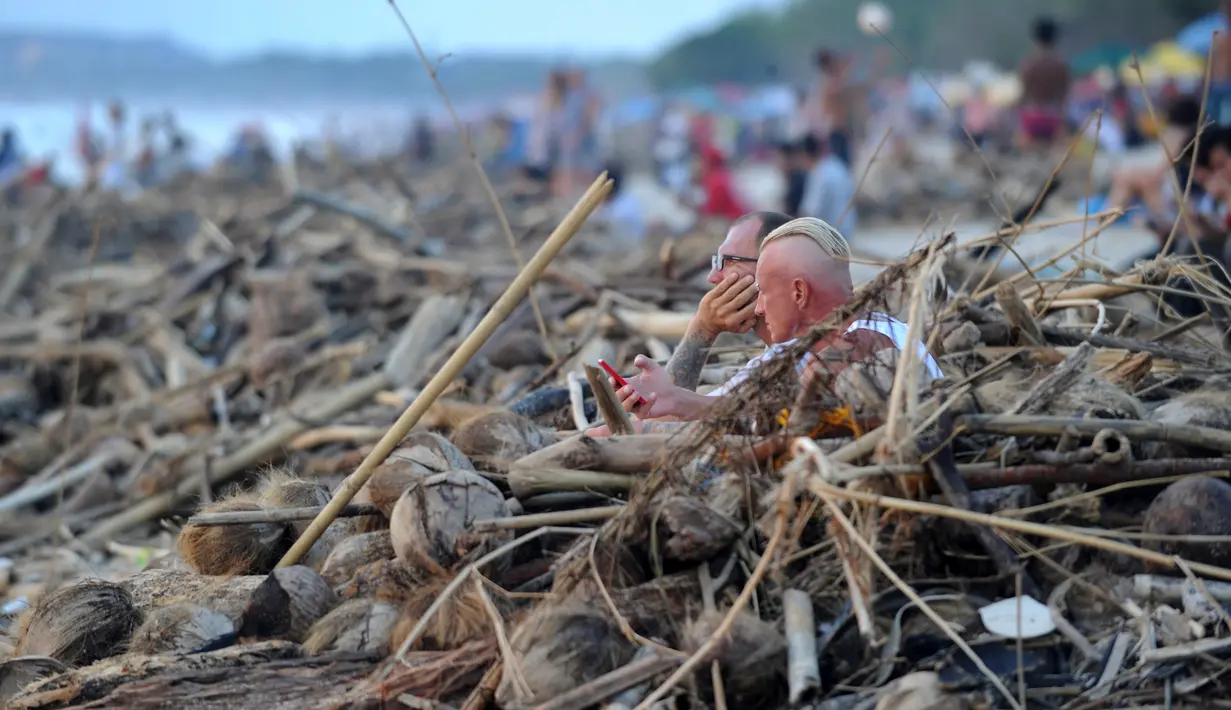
(230, 27)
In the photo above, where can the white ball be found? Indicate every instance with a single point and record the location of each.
(874, 19)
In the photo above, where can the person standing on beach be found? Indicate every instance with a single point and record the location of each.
(829, 190)
(544, 148)
(1219, 101)
(1045, 83)
(115, 161)
(826, 108)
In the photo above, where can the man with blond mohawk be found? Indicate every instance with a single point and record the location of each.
(802, 275)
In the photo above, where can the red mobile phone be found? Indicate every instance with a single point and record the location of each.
(620, 381)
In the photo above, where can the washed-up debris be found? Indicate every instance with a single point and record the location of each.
(318, 450)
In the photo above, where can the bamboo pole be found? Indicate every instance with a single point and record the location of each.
(499, 311)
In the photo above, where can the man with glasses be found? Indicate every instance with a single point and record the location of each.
(730, 306)
(802, 273)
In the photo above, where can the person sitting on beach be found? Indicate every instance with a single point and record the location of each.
(1154, 185)
(1045, 83)
(717, 184)
(622, 212)
(829, 190)
(802, 276)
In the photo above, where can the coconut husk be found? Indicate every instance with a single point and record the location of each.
(286, 604)
(281, 488)
(226, 550)
(431, 523)
(183, 628)
(353, 552)
(17, 673)
(498, 436)
(80, 624)
(355, 625)
(752, 656)
(461, 619)
(1205, 407)
(559, 647)
(386, 580)
(156, 588)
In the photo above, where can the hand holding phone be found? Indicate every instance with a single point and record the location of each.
(619, 381)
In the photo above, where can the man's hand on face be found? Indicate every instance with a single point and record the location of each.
(730, 307)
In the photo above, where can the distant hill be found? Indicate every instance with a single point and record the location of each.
(42, 66)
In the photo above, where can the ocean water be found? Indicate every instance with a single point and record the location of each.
(48, 130)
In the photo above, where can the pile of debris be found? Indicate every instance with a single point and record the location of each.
(1045, 525)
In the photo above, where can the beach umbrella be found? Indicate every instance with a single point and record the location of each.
(1166, 60)
(1198, 36)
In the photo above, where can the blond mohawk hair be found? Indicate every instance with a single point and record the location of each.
(818, 230)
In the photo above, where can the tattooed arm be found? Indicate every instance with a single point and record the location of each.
(689, 358)
(728, 307)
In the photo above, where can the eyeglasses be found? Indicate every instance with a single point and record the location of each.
(718, 261)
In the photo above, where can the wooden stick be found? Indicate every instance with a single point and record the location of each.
(617, 420)
(608, 684)
(277, 515)
(817, 485)
(803, 669)
(1203, 437)
(1056, 381)
(1018, 314)
(526, 482)
(944, 472)
(452, 368)
(558, 517)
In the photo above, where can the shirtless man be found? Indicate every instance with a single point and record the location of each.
(804, 274)
(826, 108)
(1045, 88)
(1219, 101)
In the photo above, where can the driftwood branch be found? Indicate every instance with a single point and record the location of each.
(1056, 381)
(617, 420)
(280, 515)
(1018, 314)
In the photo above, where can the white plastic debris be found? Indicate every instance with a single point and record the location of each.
(1001, 618)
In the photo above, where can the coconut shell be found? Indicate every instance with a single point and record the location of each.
(81, 624)
(356, 625)
(384, 580)
(390, 480)
(420, 455)
(1086, 396)
(560, 647)
(1205, 407)
(691, 530)
(432, 453)
(461, 618)
(752, 656)
(17, 673)
(286, 604)
(500, 436)
(520, 347)
(739, 497)
(1197, 505)
(183, 628)
(354, 552)
(226, 550)
(283, 489)
(431, 523)
(155, 588)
